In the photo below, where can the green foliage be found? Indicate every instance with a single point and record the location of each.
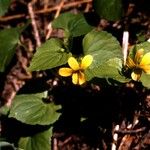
(39, 141)
(31, 109)
(73, 25)
(110, 69)
(107, 57)
(109, 9)
(4, 110)
(51, 54)
(6, 145)
(45, 56)
(8, 42)
(143, 45)
(104, 48)
(4, 4)
(106, 52)
(145, 78)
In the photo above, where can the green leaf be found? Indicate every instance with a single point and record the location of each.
(4, 4)
(108, 9)
(107, 56)
(102, 46)
(39, 141)
(4, 110)
(143, 45)
(51, 54)
(31, 109)
(145, 79)
(74, 25)
(8, 41)
(111, 69)
(6, 145)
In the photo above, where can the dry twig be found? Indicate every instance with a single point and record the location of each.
(115, 138)
(34, 25)
(42, 11)
(55, 147)
(131, 131)
(56, 15)
(128, 139)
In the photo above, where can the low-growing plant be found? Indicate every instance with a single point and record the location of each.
(98, 56)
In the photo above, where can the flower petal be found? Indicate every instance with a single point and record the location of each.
(146, 68)
(75, 78)
(130, 63)
(145, 60)
(138, 56)
(73, 63)
(65, 72)
(86, 61)
(81, 78)
(136, 74)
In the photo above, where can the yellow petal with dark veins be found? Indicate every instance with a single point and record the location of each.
(130, 63)
(145, 60)
(86, 61)
(65, 72)
(138, 55)
(81, 78)
(75, 78)
(73, 63)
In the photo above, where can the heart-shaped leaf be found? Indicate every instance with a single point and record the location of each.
(145, 79)
(8, 41)
(109, 9)
(107, 56)
(51, 54)
(39, 141)
(31, 109)
(4, 4)
(102, 46)
(73, 24)
(143, 45)
(111, 69)
(6, 145)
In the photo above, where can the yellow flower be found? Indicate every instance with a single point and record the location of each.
(76, 69)
(138, 64)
